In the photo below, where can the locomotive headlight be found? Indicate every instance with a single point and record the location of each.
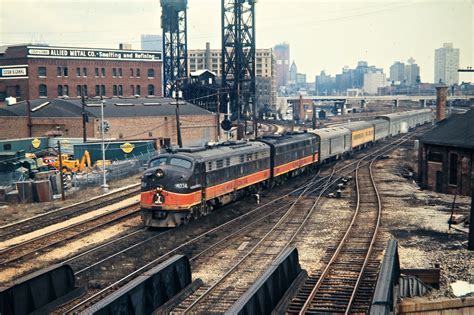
(159, 173)
(159, 189)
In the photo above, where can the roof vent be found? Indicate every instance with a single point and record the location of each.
(124, 104)
(152, 104)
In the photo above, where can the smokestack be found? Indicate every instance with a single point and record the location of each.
(441, 94)
(207, 58)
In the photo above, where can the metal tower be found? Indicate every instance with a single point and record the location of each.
(175, 43)
(238, 53)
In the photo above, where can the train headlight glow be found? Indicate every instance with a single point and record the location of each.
(159, 188)
(160, 173)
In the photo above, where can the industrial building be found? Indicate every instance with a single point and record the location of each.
(34, 71)
(128, 118)
(446, 155)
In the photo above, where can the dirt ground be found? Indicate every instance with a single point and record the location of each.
(418, 219)
(13, 212)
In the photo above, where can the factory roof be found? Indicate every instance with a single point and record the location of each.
(114, 107)
(455, 131)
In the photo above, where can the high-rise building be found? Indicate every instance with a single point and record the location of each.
(293, 74)
(152, 42)
(397, 72)
(374, 80)
(412, 72)
(282, 59)
(210, 59)
(324, 83)
(446, 64)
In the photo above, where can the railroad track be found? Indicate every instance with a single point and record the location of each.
(28, 248)
(40, 221)
(338, 287)
(193, 241)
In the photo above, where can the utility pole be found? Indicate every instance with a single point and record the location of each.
(178, 126)
(255, 124)
(84, 117)
(239, 128)
(314, 116)
(105, 187)
(63, 193)
(28, 115)
(218, 111)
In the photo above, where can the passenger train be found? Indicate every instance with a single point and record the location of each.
(188, 183)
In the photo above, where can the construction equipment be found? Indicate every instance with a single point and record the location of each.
(73, 165)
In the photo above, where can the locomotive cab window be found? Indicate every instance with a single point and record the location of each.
(180, 162)
(158, 162)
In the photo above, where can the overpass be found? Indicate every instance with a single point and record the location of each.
(371, 98)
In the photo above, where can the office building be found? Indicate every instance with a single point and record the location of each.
(446, 64)
(152, 42)
(282, 58)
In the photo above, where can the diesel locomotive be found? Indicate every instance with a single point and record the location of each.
(187, 183)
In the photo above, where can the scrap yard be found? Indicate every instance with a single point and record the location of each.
(209, 171)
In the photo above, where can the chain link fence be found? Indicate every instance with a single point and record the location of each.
(117, 170)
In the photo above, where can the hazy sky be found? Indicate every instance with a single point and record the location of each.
(323, 35)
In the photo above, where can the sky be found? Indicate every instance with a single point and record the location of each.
(323, 35)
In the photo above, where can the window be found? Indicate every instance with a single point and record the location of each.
(17, 91)
(84, 72)
(120, 90)
(96, 72)
(84, 89)
(59, 71)
(138, 73)
(220, 163)
(151, 73)
(180, 162)
(79, 90)
(131, 72)
(120, 72)
(66, 90)
(138, 90)
(65, 71)
(453, 169)
(43, 90)
(102, 90)
(114, 90)
(97, 90)
(7, 146)
(42, 71)
(78, 72)
(103, 72)
(435, 157)
(151, 89)
(157, 162)
(132, 88)
(60, 90)
(114, 72)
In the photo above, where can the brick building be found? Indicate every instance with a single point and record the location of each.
(447, 154)
(31, 72)
(129, 119)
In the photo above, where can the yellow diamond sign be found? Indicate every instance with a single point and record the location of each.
(36, 143)
(127, 147)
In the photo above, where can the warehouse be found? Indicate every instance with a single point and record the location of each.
(129, 119)
(446, 155)
(42, 71)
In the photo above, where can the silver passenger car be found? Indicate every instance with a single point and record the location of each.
(333, 142)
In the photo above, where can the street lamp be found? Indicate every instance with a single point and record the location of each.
(105, 187)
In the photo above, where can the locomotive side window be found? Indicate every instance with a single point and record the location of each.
(180, 162)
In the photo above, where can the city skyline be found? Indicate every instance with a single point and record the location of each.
(322, 36)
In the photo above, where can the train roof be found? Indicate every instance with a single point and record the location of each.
(358, 125)
(330, 132)
(221, 150)
(402, 115)
(286, 138)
